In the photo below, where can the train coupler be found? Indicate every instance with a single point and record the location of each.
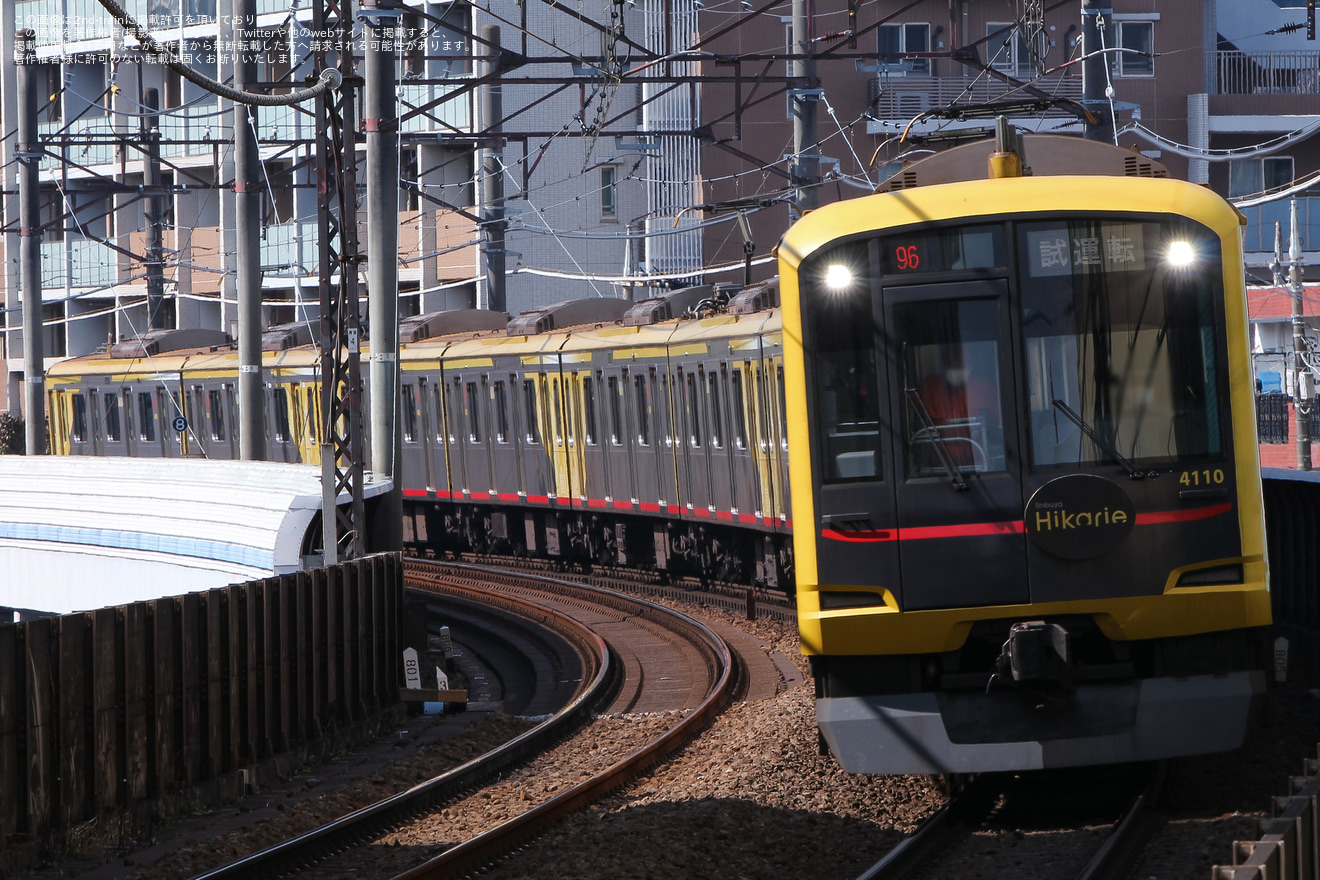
(1036, 651)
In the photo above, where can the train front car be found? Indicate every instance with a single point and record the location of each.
(1023, 430)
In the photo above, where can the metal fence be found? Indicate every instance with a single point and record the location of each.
(110, 710)
(1293, 72)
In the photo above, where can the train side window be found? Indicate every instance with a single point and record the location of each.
(408, 409)
(694, 408)
(589, 410)
(616, 415)
(441, 417)
(666, 407)
(113, 431)
(739, 412)
(643, 412)
(716, 411)
(559, 433)
(783, 411)
(79, 417)
(474, 413)
(454, 406)
(146, 416)
(218, 415)
(529, 407)
(501, 398)
(280, 405)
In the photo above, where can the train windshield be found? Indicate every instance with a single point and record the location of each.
(1123, 361)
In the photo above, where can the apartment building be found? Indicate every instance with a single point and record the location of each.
(570, 192)
(1194, 76)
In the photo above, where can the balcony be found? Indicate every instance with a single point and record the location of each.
(902, 99)
(1294, 72)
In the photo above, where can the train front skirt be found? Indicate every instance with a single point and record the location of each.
(970, 731)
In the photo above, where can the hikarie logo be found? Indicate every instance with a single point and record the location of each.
(1079, 516)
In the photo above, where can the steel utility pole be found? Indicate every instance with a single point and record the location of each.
(29, 236)
(247, 226)
(1302, 396)
(805, 92)
(155, 261)
(1095, 31)
(382, 128)
(343, 531)
(492, 171)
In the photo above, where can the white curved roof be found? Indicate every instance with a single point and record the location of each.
(80, 532)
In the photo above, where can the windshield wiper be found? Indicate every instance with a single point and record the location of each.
(1105, 446)
(941, 448)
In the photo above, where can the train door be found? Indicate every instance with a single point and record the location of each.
(476, 391)
(615, 432)
(720, 474)
(444, 480)
(689, 395)
(412, 430)
(575, 436)
(957, 487)
(505, 464)
(594, 453)
(424, 475)
(166, 414)
(460, 479)
(115, 435)
(746, 470)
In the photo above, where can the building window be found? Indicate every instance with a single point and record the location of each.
(896, 40)
(1247, 177)
(609, 192)
(1138, 36)
(1007, 50)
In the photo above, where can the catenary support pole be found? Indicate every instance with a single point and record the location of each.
(1303, 399)
(29, 236)
(492, 172)
(381, 125)
(806, 94)
(247, 225)
(157, 314)
(1095, 31)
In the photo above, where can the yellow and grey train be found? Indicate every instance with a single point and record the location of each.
(1010, 417)
(1024, 465)
(624, 437)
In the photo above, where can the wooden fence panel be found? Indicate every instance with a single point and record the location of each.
(13, 790)
(76, 757)
(136, 662)
(105, 710)
(162, 697)
(43, 727)
(190, 653)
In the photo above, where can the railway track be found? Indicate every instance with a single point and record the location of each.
(1046, 824)
(636, 673)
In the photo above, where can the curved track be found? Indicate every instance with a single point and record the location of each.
(656, 660)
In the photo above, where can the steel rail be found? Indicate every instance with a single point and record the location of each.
(370, 822)
(498, 842)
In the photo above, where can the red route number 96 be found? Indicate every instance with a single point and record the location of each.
(907, 257)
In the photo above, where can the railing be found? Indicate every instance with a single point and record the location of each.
(905, 97)
(1294, 72)
(1258, 234)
